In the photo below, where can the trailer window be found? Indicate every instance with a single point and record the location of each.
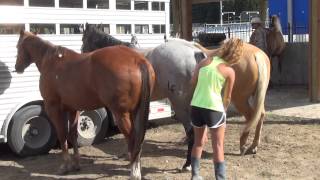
(103, 27)
(41, 3)
(11, 28)
(71, 29)
(158, 6)
(71, 3)
(12, 2)
(123, 4)
(141, 28)
(43, 28)
(159, 28)
(123, 29)
(98, 4)
(141, 5)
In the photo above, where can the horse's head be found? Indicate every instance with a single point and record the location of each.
(23, 56)
(94, 38)
(90, 36)
(275, 23)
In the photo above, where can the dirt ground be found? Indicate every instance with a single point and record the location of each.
(289, 149)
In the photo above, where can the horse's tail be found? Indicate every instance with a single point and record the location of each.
(261, 89)
(207, 52)
(142, 112)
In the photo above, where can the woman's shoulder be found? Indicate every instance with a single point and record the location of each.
(205, 62)
(226, 70)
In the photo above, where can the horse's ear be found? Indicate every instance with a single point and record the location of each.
(87, 25)
(21, 32)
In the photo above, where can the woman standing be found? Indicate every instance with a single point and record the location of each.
(208, 106)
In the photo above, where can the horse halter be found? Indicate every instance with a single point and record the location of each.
(23, 55)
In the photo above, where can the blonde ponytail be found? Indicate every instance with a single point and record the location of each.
(231, 51)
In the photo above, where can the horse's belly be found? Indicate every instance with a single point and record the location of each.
(82, 102)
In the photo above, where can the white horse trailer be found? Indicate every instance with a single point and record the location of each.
(23, 122)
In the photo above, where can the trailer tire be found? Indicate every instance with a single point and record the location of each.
(31, 132)
(92, 126)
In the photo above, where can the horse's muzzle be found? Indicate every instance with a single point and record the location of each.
(18, 70)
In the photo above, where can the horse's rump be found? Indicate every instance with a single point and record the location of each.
(141, 77)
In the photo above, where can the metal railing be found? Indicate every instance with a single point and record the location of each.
(244, 31)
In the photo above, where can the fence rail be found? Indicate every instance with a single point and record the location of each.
(244, 31)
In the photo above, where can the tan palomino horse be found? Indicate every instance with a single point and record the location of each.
(252, 79)
(115, 77)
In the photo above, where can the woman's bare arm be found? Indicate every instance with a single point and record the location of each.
(230, 77)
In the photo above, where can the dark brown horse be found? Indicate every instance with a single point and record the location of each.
(114, 77)
(275, 41)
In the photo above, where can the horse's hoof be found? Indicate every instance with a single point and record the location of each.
(252, 150)
(186, 168)
(243, 150)
(135, 177)
(63, 170)
(75, 167)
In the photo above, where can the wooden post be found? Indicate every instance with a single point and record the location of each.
(186, 7)
(314, 58)
(263, 9)
(176, 17)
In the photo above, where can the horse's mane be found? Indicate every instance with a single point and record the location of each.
(104, 40)
(42, 47)
(275, 23)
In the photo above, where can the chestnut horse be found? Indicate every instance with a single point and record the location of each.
(174, 62)
(114, 77)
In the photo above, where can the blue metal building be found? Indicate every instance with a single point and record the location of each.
(293, 15)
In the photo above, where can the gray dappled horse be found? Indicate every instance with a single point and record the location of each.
(173, 63)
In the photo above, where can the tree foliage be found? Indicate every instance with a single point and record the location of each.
(241, 5)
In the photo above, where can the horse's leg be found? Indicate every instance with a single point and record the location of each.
(136, 168)
(58, 119)
(244, 108)
(125, 126)
(271, 84)
(280, 59)
(256, 141)
(73, 137)
(181, 108)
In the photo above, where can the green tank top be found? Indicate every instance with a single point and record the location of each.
(210, 83)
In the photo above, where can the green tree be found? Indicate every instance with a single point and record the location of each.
(241, 5)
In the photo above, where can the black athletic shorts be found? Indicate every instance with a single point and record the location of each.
(201, 117)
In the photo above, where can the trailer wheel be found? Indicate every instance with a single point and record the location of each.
(92, 126)
(30, 132)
